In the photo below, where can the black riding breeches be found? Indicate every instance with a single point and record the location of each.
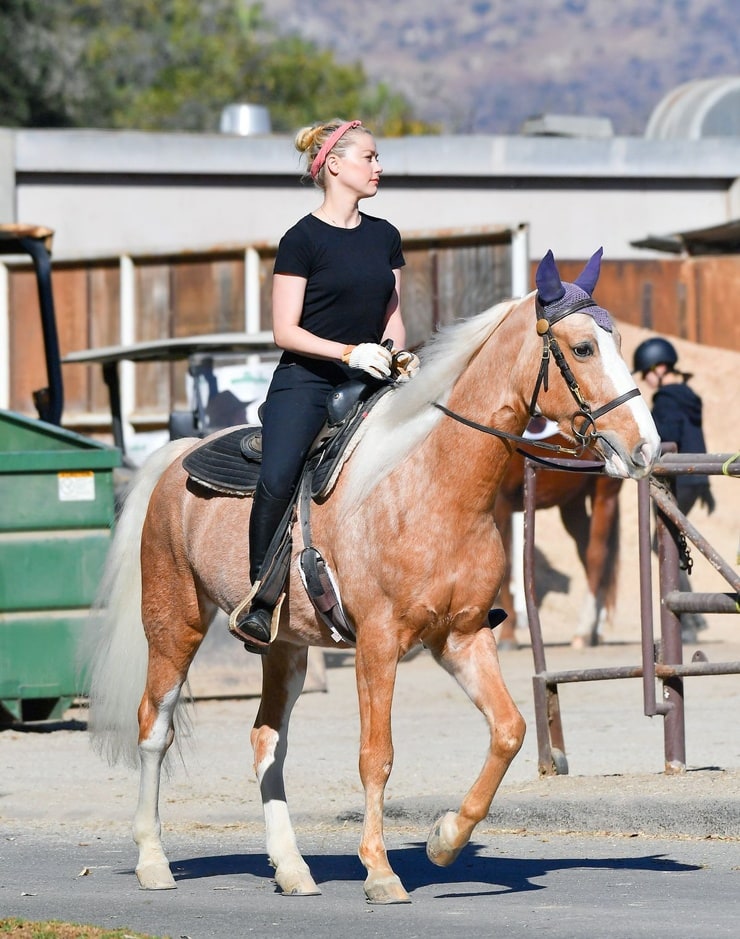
(294, 413)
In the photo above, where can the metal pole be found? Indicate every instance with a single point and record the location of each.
(546, 700)
(647, 631)
(671, 648)
(49, 401)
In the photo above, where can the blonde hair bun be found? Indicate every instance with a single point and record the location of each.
(310, 138)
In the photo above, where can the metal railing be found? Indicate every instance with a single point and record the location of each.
(662, 660)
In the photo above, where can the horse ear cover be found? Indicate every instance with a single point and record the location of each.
(547, 278)
(586, 280)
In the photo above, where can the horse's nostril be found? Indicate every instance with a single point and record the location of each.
(643, 454)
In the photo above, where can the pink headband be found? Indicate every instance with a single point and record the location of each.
(329, 145)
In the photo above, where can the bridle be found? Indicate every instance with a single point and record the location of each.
(583, 421)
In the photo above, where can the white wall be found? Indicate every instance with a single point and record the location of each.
(107, 193)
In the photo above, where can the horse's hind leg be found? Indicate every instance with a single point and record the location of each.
(473, 662)
(284, 672)
(172, 646)
(577, 522)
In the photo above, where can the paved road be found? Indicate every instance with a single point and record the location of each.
(617, 848)
(553, 885)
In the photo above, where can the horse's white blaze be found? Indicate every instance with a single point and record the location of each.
(616, 368)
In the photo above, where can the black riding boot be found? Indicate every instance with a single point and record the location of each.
(267, 514)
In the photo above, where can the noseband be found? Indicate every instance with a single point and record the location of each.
(583, 421)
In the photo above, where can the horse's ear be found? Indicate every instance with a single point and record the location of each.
(586, 280)
(547, 278)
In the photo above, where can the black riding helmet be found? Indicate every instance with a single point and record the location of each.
(652, 352)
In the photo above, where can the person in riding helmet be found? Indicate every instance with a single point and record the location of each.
(677, 412)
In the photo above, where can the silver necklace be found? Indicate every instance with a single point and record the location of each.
(332, 221)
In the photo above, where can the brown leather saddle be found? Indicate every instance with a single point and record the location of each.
(230, 463)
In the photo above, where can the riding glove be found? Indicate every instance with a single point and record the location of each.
(370, 357)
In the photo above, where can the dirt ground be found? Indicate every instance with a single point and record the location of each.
(559, 575)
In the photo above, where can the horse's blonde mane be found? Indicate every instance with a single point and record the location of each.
(405, 416)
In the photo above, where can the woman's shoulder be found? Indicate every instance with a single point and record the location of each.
(301, 234)
(678, 391)
(381, 224)
(301, 227)
(381, 231)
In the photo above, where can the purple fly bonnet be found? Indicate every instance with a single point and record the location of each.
(557, 299)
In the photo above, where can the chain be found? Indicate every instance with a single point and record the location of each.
(685, 561)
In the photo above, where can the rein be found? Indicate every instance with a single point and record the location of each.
(586, 433)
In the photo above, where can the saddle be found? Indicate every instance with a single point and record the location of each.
(230, 465)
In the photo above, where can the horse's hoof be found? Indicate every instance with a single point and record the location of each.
(440, 849)
(155, 876)
(578, 643)
(388, 889)
(296, 883)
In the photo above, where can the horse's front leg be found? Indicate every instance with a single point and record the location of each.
(375, 669)
(473, 661)
(284, 672)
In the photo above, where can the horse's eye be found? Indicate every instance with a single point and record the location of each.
(583, 350)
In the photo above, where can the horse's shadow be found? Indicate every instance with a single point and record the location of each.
(503, 874)
(548, 579)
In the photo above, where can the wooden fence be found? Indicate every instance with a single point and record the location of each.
(110, 301)
(694, 298)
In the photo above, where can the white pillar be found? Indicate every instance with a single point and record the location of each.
(520, 261)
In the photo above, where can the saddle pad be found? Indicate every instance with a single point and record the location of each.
(224, 464)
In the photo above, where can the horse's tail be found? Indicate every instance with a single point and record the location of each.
(114, 652)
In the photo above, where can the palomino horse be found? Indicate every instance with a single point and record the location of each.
(408, 532)
(589, 510)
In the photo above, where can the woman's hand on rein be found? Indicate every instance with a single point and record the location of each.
(370, 357)
(405, 365)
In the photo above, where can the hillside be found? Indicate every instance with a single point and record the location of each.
(485, 66)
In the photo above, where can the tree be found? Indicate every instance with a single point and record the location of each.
(30, 88)
(174, 65)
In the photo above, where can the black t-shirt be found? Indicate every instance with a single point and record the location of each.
(349, 275)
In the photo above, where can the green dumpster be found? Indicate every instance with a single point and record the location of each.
(56, 516)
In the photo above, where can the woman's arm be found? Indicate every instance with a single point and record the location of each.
(288, 292)
(394, 328)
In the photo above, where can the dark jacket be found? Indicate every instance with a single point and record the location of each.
(677, 412)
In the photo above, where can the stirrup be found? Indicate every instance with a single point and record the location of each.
(255, 629)
(239, 615)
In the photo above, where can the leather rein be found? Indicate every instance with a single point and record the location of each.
(583, 421)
